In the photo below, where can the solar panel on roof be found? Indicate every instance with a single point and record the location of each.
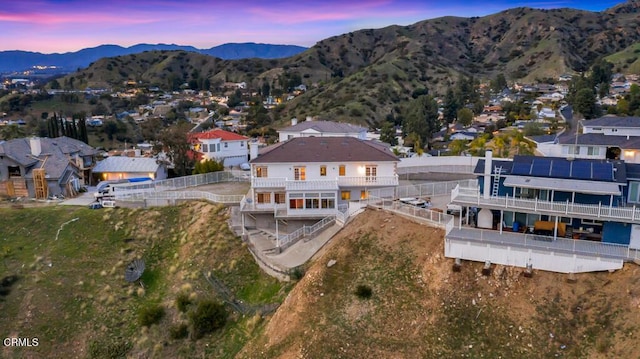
(521, 168)
(560, 169)
(581, 170)
(603, 171)
(541, 167)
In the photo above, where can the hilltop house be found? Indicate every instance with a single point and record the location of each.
(608, 137)
(309, 178)
(310, 128)
(41, 167)
(591, 203)
(221, 145)
(124, 167)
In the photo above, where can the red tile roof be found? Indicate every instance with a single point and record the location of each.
(218, 133)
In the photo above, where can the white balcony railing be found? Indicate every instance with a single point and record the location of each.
(327, 184)
(311, 185)
(368, 181)
(471, 196)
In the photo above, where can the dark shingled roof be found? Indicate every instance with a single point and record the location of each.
(324, 126)
(600, 139)
(613, 121)
(325, 149)
(58, 152)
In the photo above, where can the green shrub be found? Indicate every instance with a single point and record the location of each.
(183, 302)
(363, 291)
(109, 349)
(150, 315)
(296, 273)
(178, 331)
(208, 317)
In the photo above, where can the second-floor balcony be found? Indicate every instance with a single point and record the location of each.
(324, 184)
(471, 196)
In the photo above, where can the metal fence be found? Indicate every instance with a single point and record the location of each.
(421, 190)
(171, 196)
(181, 182)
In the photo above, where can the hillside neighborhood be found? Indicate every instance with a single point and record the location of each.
(487, 206)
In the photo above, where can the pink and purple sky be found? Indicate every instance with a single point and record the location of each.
(50, 26)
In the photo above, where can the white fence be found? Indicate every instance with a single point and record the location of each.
(436, 218)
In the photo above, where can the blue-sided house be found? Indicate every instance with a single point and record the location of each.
(552, 213)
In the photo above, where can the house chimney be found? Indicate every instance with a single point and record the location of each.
(309, 118)
(294, 121)
(36, 146)
(488, 156)
(253, 150)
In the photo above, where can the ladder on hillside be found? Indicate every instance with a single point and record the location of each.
(497, 171)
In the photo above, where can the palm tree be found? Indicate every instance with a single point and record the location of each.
(478, 145)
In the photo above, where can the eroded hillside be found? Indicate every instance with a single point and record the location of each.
(420, 308)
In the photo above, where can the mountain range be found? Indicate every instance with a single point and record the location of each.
(16, 60)
(370, 75)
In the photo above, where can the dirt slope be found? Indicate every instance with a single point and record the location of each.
(420, 308)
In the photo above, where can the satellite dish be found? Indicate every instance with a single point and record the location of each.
(134, 270)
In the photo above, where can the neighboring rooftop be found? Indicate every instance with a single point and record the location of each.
(325, 127)
(325, 149)
(218, 133)
(127, 164)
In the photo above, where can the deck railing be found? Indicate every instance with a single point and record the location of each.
(472, 197)
(320, 184)
(543, 243)
(284, 241)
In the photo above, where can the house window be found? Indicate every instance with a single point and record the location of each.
(593, 151)
(323, 171)
(241, 144)
(264, 197)
(328, 203)
(576, 150)
(226, 144)
(364, 194)
(345, 195)
(312, 203)
(371, 172)
(205, 148)
(296, 203)
(634, 192)
(218, 150)
(342, 170)
(14, 171)
(299, 173)
(261, 171)
(280, 197)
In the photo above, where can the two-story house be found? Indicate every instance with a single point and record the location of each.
(221, 145)
(41, 167)
(312, 177)
(608, 137)
(312, 128)
(559, 214)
